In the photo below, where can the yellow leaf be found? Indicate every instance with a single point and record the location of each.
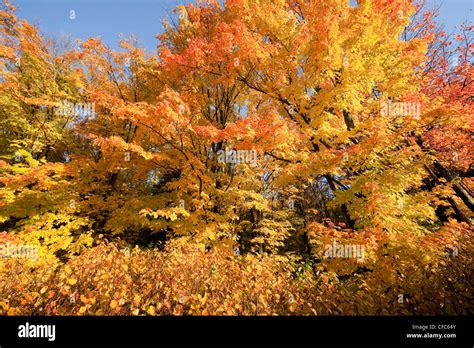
(151, 310)
(72, 281)
(113, 304)
(82, 310)
(4, 305)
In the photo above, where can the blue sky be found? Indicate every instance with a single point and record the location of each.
(109, 18)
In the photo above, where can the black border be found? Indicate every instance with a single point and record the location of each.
(224, 331)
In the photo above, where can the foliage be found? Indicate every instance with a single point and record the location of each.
(213, 175)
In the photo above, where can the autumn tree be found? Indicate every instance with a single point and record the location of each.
(256, 135)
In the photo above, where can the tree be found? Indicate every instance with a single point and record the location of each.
(261, 131)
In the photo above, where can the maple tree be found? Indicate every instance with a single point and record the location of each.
(214, 173)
